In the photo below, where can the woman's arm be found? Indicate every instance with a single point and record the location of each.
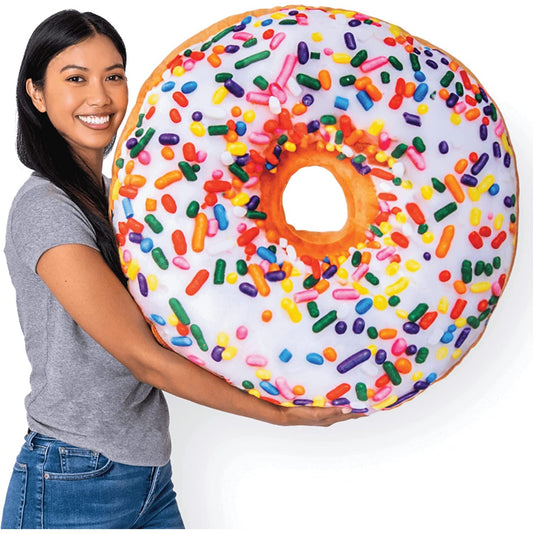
(92, 295)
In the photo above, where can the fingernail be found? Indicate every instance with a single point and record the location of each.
(346, 410)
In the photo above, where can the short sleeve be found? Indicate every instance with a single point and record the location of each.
(43, 217)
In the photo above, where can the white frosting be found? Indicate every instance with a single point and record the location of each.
(402, 256)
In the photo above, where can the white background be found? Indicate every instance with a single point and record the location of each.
(458, 458)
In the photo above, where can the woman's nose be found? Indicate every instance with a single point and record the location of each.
(98, 95)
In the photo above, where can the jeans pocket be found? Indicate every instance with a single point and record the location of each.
(71, 463)
(15, 498)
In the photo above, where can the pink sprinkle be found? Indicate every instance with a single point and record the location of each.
(212, 227)
(360, 271)
(399, 346)
(242, 36)
(217, 174)
(181, 263)
(144, 157)
(382, 393)
(345, 294)
(278, 92)
(241, 228)
(372, 64)
(383, 140)
(385, 253)
(328, 51)
(496, 289)
(201, 156)
(277, 40)
(286, 70)
(196, 360)
(126, 255)
(188, 64)
(242, 332)
(460, 107)
(500, 128)
(306, 296)
(416, 158)
(284, 389)
(264, 264)
(257, 97)
(256, 360)
(259, 138)
(254, 180)
(383, 206)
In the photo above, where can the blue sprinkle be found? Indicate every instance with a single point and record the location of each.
(315, 358)
(146, 245)
(285, 355)
(268, 387)
(168, 86)
(446, 338)
(266, 22)
(247, 20)
(494, 190)
(181, 341)
(365, 100)
(221, 217)
(364, 305)
(189, 87)
(128, 209)
(240, 128)
(420, 76)
(157, 319)
(421, 92)
(342, 103)
(431, 377)
(266, 253)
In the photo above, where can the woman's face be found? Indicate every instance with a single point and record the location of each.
(85, 95)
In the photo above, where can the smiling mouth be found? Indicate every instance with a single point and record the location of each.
(96, 120)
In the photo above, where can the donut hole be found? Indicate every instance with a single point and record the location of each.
(313, 200)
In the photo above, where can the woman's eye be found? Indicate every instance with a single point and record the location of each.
(75, 79)
(115, 77)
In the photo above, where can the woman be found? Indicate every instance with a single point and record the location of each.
(98, 446)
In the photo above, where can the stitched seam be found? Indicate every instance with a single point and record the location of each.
(153, 482)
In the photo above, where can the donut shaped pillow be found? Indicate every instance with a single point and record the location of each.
(369, 315)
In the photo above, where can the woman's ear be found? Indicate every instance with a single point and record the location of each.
(36, 95)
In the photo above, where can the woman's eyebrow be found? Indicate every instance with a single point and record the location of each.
(79, 67)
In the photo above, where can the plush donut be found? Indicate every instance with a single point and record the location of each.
(370, 315)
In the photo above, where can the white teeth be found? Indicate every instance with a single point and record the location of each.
(93, 119)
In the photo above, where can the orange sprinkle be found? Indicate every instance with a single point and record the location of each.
(129, 166)
(150, 204)
(445, 241)
(403, 365)
(444, 94)
(199, 232)
(325, 79)
(258, 277)
(330, 354)
(266, 316)
(298, 390)
(167, 153)
(410, 89)
(236, 111)
(472, 114)
(387, 333)
(166, 179)
(374, 93)
(366, 257)
(219, 49)
(299, 109)
(322, 286)
(362, 83)
(455, 188)
(460, 166)
(459, 286)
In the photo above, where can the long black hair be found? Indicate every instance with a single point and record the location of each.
(40, 146)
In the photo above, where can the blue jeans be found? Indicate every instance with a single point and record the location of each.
(56, 486)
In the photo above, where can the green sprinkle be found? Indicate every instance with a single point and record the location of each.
(418, 312)
(422, 355)
(282, 140)
(179, 311)
(328, 119)
(447, 78)
(325, 321)
(459, 89)
(356, 258)
(396, 63)
(438, 185)
(394, 301)
(419, 145)
(187, 53)
(479, 268)
(192, 209)
(187, 171)
(159, 258)
(339, 137)
(391, 371)
(308, 81)
(199, 336)
(361, 392)
(141, 145)
(443, 212)
(247, 384)
(422, 229)
(415, 63)
(484, 315)
(154, 224)
(223, 33)
(349, 79)
(385, 77)
(220, 129)
(372, 332)
(242, 267)
(310, 281)
(139, 132)
(220, 272)
(254, 58)
(373, 280)
(375, 230)
(288, 22)
(466, 271)
(314, 55)
(399, 150)
(312, 309)
(473, 322)
(119, 163)
(249, 42)
(205, 46)
(359, 58)
(221, 77)
(260, 82)
(497, 262)
(140, 120)
(239, 172)
(256, 215)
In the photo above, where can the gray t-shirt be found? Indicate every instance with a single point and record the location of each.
(80, 394)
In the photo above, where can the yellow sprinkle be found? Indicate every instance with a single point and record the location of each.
(422, 109)
(417, 376)
(152, 282)
(342, 273)
(392, 268)
(457, 353)
(237, 148)
(360, 289)
(178, 71)
(455, 119)
(486, 183)
(319, 401)
(317, 36)
(412, 265)
(506, 145)
(498, 221)
(385, 227)
(373, 349)
(381, 157)
(153, 99)
(222, 339)
(287, 285)
(401, 217)
(197, 129)
(460, 322)
(482, 286)
(278, 16)
(387, 241)
(395, 30)
(385, 403)
(219, 95)
(330, 147)
(376, 127)
(248, 116)
(443, 305)
(402, 314)
(232, 278)
(264, 374)
(397, 287)
(474, 194)
(380, 302)
(428, 237)
(289, 146)
(475, 216)
(133, 269)
(229, 353)
(240, 199)
(294, 313)
(441, 354)
(406, 184)
(173, 320)
(427, 192)
(340, 57)
(254, 392)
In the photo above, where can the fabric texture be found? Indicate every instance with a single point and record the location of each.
(58, 486)
(80, 394)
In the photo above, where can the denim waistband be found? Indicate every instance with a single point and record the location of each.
(38, 439)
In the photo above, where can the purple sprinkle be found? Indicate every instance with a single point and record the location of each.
(329, 272)
(483, 132)
(143, 285)
(507, 160)
(349, 40)
(276, 275)
(358, 325)
(427, 256)
(242, 160)
(312, 126)
(411, 349)
(412, 119)
(303, 52)
(169, 139)
(301, 401)
(469, 180)
(135, 237)
(216, 354)
(496, 150)
(420, 385)
(452, 100)
(432, 64)
(354, 23)
(308, 100)
(354, 360)
(508, 201)
(130, 143)
(248, 289)
(462, 337)
(231, 48)
(478, 166)
(443, 147)
(340, 401)
(381, 357)
(197, 116)
(234, 88)
(411, 328)
(341, 327)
